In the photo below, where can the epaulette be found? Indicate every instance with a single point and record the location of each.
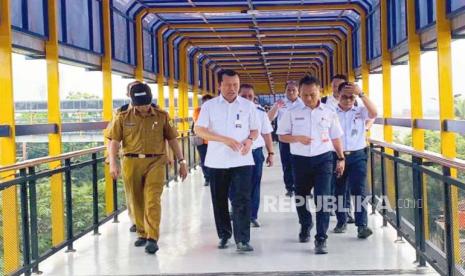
(261, 108)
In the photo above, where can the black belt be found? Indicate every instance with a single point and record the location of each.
(135, 155)
(352, 152)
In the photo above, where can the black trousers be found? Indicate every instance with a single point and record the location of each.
(240, 179)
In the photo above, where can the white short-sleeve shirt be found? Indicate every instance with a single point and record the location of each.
(353, 125)
(320, 124)
(234, 120)
(288, 105)
(264, 127)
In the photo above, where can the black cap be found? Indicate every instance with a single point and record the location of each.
(140, 94)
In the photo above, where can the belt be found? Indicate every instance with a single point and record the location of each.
(136, 155)
(352, 152)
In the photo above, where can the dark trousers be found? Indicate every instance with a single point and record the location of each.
(353, 181)
(334, 179)
(256, 180)
(202, 149)
(313, 172)
(285, 152)
(239, 180)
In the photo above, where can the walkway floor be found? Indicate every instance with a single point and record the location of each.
(188, 243)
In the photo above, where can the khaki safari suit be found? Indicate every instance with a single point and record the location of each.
(143, 176)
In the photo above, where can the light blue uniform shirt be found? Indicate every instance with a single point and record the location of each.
(353, 125)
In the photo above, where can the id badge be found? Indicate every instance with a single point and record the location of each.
(354, 132)
(238, 124)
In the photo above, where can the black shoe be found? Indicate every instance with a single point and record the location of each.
(304, 235)
(364, 232)
(290, 193)
(223, 244)
(207, 183)
(140, 242)
(244, 247)
(133, 229)
(255, 223)
(320, 247)
(340, 228)
(151, 247)
(350, 219)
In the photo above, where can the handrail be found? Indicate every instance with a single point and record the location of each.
(49, 159)
(440, 159)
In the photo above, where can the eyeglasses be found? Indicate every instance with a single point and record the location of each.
(347, 98)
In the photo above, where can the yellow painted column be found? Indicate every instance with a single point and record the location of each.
(139, 47)
(328, 75)
(204, 77)
(195, 87)
(171, 77)
(387, 98)
(161, 69)
(350, 73)
(365, 66)
(54, 117)
(446, 106)
(416, 103)
(107, 95)
(183, 88)
(210, 80)
(7, 144)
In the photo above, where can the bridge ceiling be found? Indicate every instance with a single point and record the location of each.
(266, 41)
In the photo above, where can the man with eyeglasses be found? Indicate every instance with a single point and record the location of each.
(352, 118)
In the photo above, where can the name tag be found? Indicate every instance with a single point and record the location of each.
(299, 118)
(129, 124)
(238, 124)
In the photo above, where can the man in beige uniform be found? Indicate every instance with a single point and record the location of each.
(142, 131)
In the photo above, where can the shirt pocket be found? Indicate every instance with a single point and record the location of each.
(300, 127)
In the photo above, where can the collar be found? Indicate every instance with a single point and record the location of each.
(294, 102)
(320, 106)
(223, 100)
(339, 109)
(137, 113)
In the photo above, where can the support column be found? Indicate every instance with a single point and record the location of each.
(446, 111)
(195, 89)
(171, 77)
(365, 67)
(161, 69)
(10, 212)
(139, 75)
(416, 103)
(54, 117)
(107, 95)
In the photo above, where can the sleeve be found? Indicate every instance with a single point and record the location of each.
(253, 119)
(204, 116)
(365, 115)
(336, 130)
(114, 130)
(169, 129)
(285, 124)
(266, 127)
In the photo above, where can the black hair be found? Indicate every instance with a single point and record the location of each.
(206, 97)
(246, 86)
(342, 85)
(309, 80)
(227, 72)
(291, 82)
(339, 77)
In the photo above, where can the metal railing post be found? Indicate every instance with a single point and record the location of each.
(34, 227)
(449, 227)
(419, 216)
(115, 201)
(372, 169)
(25, 221)
(396, 187)
(383, 187)
(69, 206)
(95, 193)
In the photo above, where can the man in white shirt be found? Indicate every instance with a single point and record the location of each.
(291, 102)
(264, 139)
(313, 132)
(229, 123)
(352, 118)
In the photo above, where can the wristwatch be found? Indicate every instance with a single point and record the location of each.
(270, 153)
(341, 159)
(182, 161)
(250, 138)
